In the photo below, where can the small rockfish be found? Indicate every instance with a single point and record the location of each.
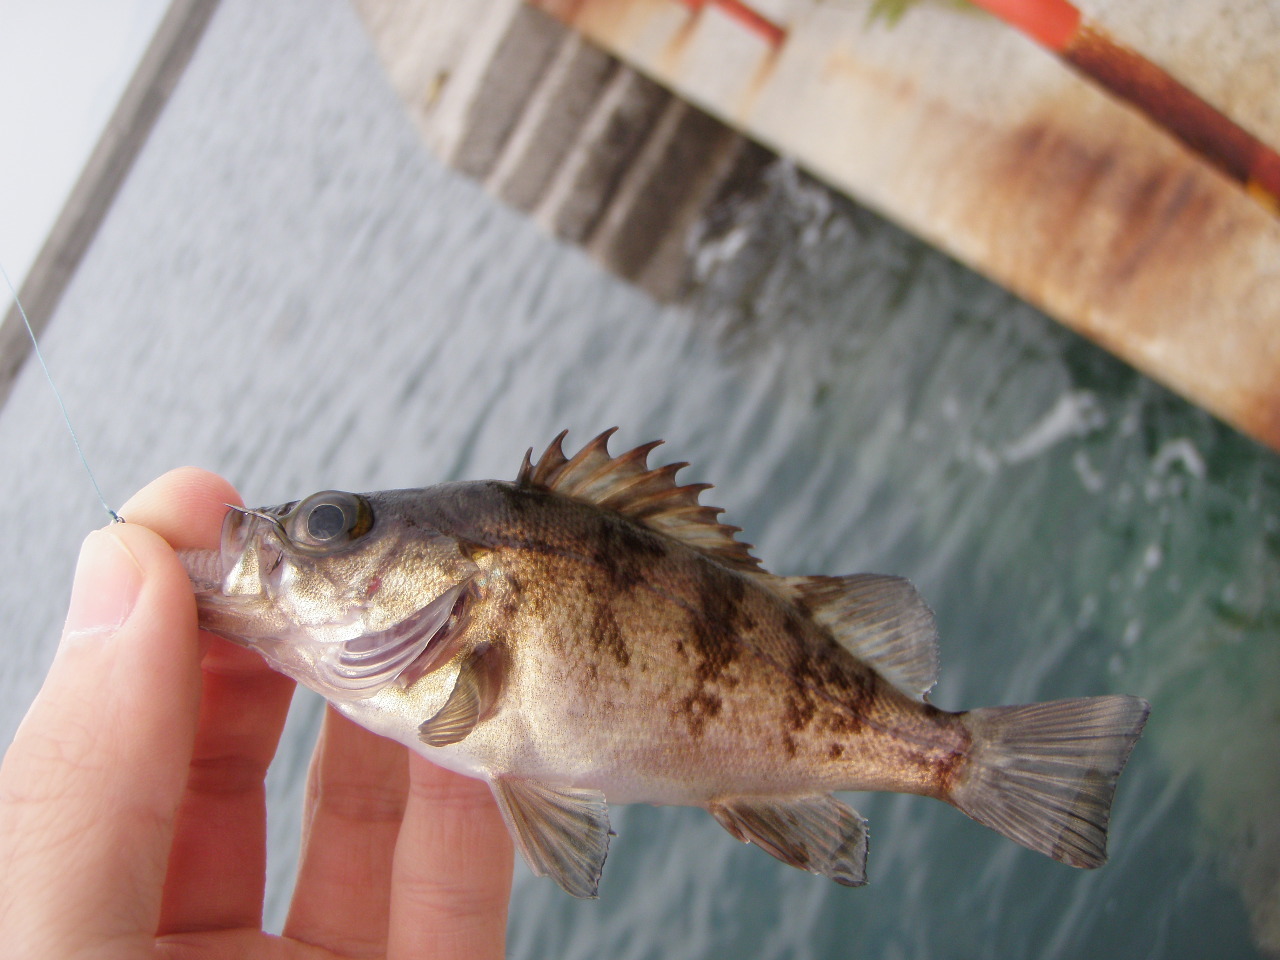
(592, 633)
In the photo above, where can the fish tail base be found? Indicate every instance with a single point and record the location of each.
(1044, 775)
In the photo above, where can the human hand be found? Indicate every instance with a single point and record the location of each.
(132, 805)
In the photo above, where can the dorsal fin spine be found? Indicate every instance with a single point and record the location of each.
(665, 501)
(596, 452)
(651, 497)
(652, 487)
(526, 469)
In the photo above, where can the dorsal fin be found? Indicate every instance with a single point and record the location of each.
(651, 497)
(881, 620)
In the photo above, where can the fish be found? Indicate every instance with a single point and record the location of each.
(592, 634)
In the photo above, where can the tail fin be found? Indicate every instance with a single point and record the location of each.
(1044, 774)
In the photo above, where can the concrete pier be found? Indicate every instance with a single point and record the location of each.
(598, 153)
(948, 121)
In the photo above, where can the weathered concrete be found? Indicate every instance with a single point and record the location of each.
(551, 122)
(671, 178)
(515, 59)
(614, 133)
(600, 155)
(966, 133)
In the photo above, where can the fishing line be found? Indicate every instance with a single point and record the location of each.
(58, 396)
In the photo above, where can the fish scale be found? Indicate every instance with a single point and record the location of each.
(591, 633)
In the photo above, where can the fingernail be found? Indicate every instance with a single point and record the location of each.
(107, 583)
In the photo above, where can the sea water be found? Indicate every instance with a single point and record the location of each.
(291, 292)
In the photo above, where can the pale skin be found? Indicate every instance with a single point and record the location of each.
(132, 806)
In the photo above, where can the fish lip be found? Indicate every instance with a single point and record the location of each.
(357, 667)
(237, 527)
(207, 569)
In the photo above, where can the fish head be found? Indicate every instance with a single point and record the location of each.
(342, 591)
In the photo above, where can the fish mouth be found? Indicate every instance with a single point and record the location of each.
(209, 570)
(205, 570)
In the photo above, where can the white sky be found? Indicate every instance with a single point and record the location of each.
(63, 65)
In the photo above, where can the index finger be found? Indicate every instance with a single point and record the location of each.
(217, 867)
(185, 506)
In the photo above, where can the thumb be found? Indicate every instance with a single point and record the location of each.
(89, 787)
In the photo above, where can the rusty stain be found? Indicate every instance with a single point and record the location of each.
(1157, 207)
(565, 11)
(1058, 25)
(674, 51)
(1176, 108)
(755, 85)
(1052, 182)
(1162, 221)
(773, 34)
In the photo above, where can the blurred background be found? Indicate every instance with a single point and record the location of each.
(290, 289)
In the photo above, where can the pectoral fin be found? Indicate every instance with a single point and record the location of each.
(562, 832)
(819, 834)
(474, 696)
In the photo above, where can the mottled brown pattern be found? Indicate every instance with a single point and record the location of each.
(671, 668)
(715, 624)
(849, 688)
(716, 645)
(607, 636)
(699, 707)
(947, 768)
(800, 710)
(623, 553)
(513, 597)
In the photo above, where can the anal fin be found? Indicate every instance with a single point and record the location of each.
(562, 832)
(819, 834)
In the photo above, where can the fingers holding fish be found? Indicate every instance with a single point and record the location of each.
(217, 867)
(357, 789)
(217, 863)
(91, 783)
(452, 873)
(185, 506)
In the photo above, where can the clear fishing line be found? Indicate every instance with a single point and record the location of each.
(58, 396)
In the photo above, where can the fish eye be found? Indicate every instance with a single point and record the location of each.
(329, 520)
(326, 521)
